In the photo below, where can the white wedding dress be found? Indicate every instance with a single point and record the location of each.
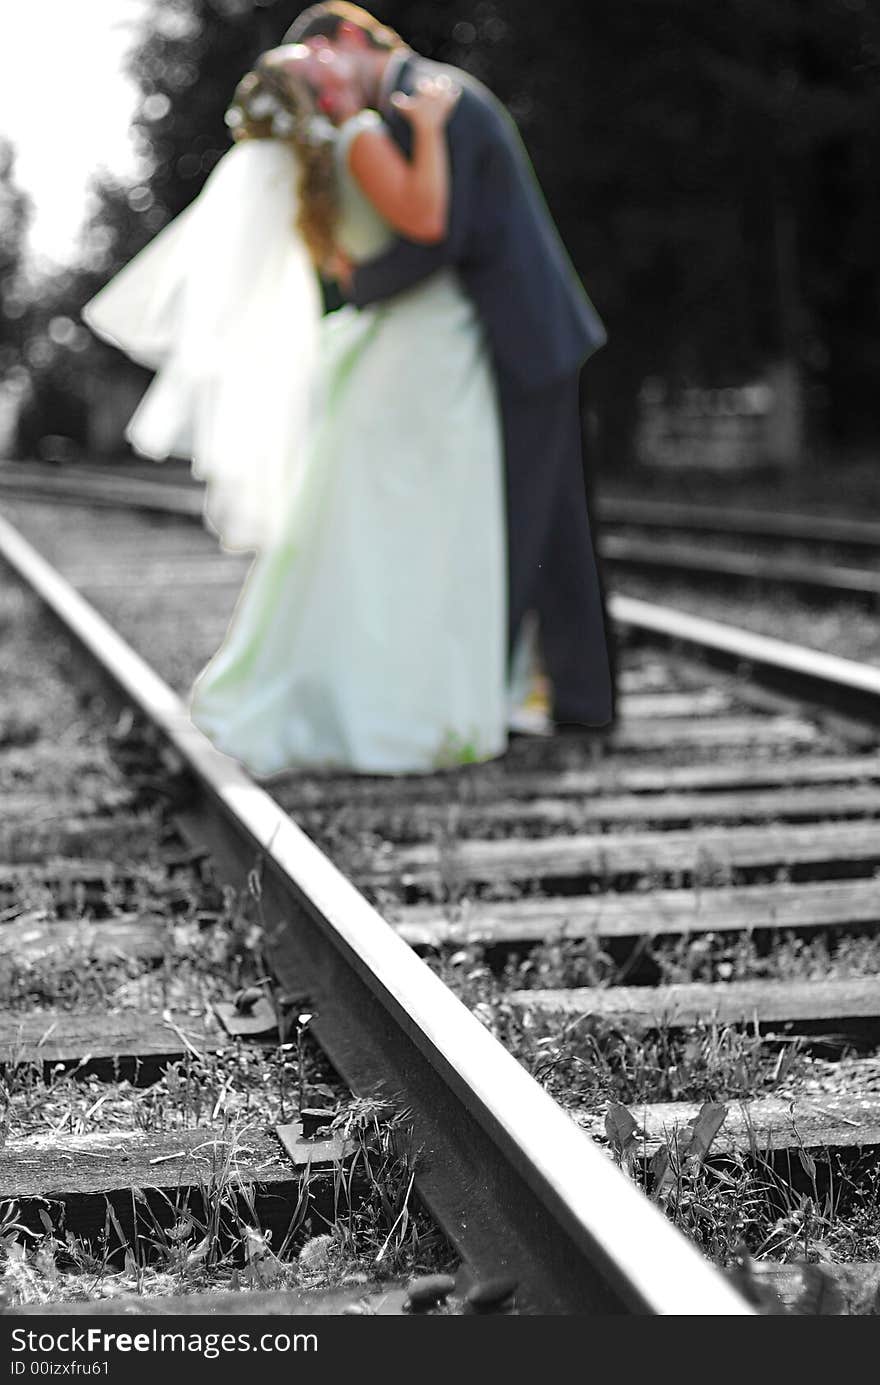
(370, 633)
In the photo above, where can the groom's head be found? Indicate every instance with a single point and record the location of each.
(341, 51)
(342, 23)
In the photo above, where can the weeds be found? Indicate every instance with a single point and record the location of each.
(717, 957)
(587, 1061)
(742, 1207)
(213, 1236)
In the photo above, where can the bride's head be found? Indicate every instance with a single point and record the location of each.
(268, 104)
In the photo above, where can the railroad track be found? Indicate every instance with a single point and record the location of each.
(720, 825)
(822, 558)
(511, 1180)
(808, 555)
(742, 523)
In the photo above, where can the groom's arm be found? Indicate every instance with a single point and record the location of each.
(405, 263)
(399, 268)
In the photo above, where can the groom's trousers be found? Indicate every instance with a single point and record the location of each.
(551, 563)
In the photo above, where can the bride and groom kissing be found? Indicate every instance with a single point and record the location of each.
(430, 507)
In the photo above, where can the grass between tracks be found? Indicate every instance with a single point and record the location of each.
(376, 1229)
(217, 1243)
(732, 1206)
(738, 1205)
(818, 1208)
(371, 1226)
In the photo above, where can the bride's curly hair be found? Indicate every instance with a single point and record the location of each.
(265, 107)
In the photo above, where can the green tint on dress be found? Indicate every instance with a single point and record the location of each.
(371, 637)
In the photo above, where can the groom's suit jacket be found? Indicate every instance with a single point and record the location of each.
(501, 239)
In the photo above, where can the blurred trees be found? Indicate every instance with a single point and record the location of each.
(189, 58)
(14, 217)
(186, 61)
(713, 170)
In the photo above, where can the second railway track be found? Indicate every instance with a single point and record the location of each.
(822, 560)
(645, 918)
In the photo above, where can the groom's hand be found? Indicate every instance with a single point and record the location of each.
(431, 104)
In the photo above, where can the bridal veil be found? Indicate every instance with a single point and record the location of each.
(224, 305)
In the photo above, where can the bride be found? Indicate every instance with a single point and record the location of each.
(360, 452)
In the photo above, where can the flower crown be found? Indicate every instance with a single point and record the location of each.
(264, 107)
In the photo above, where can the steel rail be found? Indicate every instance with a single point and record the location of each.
(517, 1187)
(739, 521)
(689, 560)
(70, 483)
(112, 491)
(841, 685)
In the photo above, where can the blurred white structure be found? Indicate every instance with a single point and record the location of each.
(12, 394)
(726, 428)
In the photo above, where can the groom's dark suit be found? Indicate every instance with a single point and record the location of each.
(541, 327)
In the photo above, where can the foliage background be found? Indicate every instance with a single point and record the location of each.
(713, 170)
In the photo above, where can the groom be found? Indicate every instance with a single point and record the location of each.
(539, 322)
